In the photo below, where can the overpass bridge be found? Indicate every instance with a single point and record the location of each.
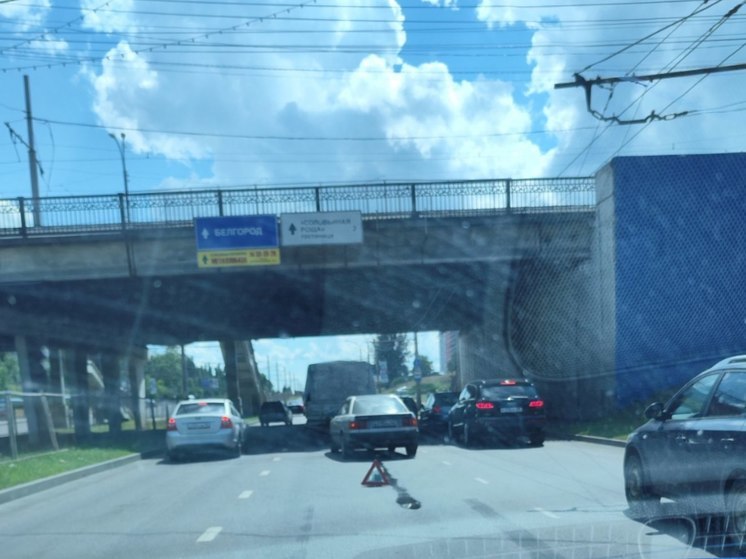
(602, 289)
(112, 273)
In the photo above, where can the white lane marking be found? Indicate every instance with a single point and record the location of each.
(276, 459)
(480, 480)
(546, 513)
(264, 473)
(210, 534)
(245, 494)
(447, 463)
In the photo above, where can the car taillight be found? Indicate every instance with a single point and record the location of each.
(485, 405)
(536, 404)
(171, 425)
(437, 409)
(410, 422)
(226, 422)
(357, 425)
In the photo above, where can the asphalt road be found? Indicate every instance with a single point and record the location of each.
(289, 497)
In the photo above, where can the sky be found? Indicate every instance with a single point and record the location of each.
(258, 93)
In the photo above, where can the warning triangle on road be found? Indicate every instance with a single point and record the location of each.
(376, 476)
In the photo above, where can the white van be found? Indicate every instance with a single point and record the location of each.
(329, 384)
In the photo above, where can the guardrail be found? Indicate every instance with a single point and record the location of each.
(60, 215)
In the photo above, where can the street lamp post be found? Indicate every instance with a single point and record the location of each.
(121, 146)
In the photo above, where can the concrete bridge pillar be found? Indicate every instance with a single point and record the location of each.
(241, 374)
(484, 350)
(76, 362)
(33, 379)
(136, 361)
(112, 400)
(248, 378)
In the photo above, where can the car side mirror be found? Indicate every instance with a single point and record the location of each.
(655, 411)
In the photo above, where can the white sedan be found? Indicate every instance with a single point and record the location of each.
(198, 425)
(374, 421)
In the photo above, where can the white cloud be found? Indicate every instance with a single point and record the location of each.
(49, 44)
(25, 16)
(110, 17)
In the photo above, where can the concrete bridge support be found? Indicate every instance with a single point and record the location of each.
(33, 379)
(484, 351)
(76, 363)
(242, 376)
(112, 400)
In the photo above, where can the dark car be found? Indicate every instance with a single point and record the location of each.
(275, 412)
(410, 403)
(374, 421)
(501, 409)
(434, 412)
(692, 449)
(297, 409)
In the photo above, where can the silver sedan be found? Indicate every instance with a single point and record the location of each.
(204, 424)
(374, 421)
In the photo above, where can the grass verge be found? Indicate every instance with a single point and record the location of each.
(33, 467)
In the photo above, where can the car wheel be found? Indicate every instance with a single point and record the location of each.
(642, 502)
(736, 507)
(236, 452)
(536, 438)
(451, 433)
(334, 447)
(411, 450)
(346, 449)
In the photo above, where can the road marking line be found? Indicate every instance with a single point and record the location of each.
(210, 534)
(447, 463)
(276, 459)
(245, 494)
(546, 513)
(480, 480)
(264, 473)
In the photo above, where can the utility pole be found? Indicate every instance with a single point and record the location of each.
(417, 372)
(184, 374)
(33, 165)
(121, 147)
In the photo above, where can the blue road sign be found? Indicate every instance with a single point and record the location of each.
(236, 232)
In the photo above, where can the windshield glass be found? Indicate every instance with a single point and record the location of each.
(203, 408)
(373, 406)
(520, 223)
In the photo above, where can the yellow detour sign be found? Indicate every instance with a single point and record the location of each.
(245, 257)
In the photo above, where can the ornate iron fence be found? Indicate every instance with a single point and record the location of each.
(60, 215)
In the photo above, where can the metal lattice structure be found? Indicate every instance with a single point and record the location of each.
(29, 217)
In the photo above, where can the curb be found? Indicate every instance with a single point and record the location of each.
(25, 489)
(600, 440)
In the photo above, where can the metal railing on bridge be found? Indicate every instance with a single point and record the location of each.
(60, 215)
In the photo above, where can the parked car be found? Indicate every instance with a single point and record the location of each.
(275, 412)
(297, 409)
(434, 412)
(692, 449)
(374, 421)
(410, 403)
(503, 408)
(198, 425)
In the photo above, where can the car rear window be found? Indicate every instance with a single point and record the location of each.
(378, 406)
(200, 408)
(272, 406)
(506, 391)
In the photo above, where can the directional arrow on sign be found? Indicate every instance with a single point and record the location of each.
(205, 234)
(292, 228)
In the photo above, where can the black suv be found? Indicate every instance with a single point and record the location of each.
(692, 450)
(501, 409)
(275, 412)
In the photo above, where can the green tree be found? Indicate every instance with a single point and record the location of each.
(394, 350)
(10, 377)
(166, 369)
(426, 366)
